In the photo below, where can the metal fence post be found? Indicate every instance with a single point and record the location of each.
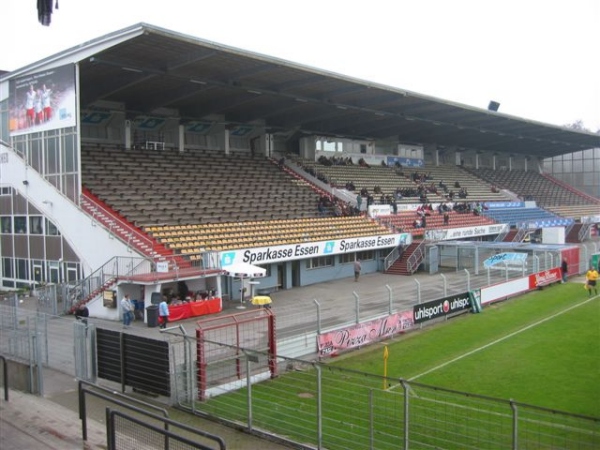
(318, 315)
(390, 299)
(515, 425)
(489, 277)
(248, 391)
(536, 263)
(357, 306)
(319, 408)
(371, 422)
(468, 279)
(506, 270)
(406, 413)
(445, 284)
(418, 291)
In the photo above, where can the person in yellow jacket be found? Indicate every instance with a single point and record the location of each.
(591, 278)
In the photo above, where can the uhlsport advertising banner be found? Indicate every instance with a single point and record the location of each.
(333, 342)
(440, 308)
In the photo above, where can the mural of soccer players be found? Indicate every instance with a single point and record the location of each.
(39, 108)
(47, 103)
(43, 100)
(30, 105)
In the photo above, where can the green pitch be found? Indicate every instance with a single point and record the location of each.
(542, 348)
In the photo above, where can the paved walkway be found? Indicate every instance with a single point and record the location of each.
(51, 422)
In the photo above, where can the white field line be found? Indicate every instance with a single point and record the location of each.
(508, 336)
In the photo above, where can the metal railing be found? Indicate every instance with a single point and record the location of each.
(391, 258)
(4, 377)
(119, 267)
(416, 258)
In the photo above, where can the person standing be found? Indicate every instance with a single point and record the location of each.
(565, 269)
(126, 311)
(82, 313)
(163, 313)
(591, 278)
(47, 103)
(357, 269)
(30, 105)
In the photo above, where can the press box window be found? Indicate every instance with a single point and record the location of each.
(5, 225)
(20, 224)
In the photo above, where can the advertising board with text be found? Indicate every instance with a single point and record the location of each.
(333, 342)
(277, 253)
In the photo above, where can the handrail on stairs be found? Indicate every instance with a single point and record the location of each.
(113, 220)
(118, 267)
(416, 258)
(584, 231)
(522, 231)
(391, 258)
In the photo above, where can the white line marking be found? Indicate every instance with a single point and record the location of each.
(500, 340)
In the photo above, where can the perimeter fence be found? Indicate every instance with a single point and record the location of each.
(314, 405)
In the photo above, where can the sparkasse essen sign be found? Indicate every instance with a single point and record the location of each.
(266, 255)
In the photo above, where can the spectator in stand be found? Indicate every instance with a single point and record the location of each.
(446, 218)
(359, 201)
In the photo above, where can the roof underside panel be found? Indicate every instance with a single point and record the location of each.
(160, 69)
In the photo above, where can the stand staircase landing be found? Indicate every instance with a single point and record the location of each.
(408, 263)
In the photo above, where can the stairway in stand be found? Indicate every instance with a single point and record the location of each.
(573, 236)
(129, 233)
(510, 235)
(400, 266)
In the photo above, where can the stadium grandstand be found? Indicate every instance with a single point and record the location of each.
(203, 163)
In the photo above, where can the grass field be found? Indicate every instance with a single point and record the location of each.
(542, 349)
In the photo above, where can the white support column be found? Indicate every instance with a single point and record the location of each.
(494, 162)
(226, 141)
(181, 140)
(128, 134)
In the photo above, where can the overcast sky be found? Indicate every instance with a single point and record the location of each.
(540, 59)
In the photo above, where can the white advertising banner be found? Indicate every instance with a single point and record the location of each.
(379, 210)
(462, 233)
(267, 255)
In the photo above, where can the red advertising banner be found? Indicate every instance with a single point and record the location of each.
(544, 278)
(330, 344)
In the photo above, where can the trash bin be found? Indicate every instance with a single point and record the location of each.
(152, 316)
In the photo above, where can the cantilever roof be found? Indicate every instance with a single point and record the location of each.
(149, 69)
